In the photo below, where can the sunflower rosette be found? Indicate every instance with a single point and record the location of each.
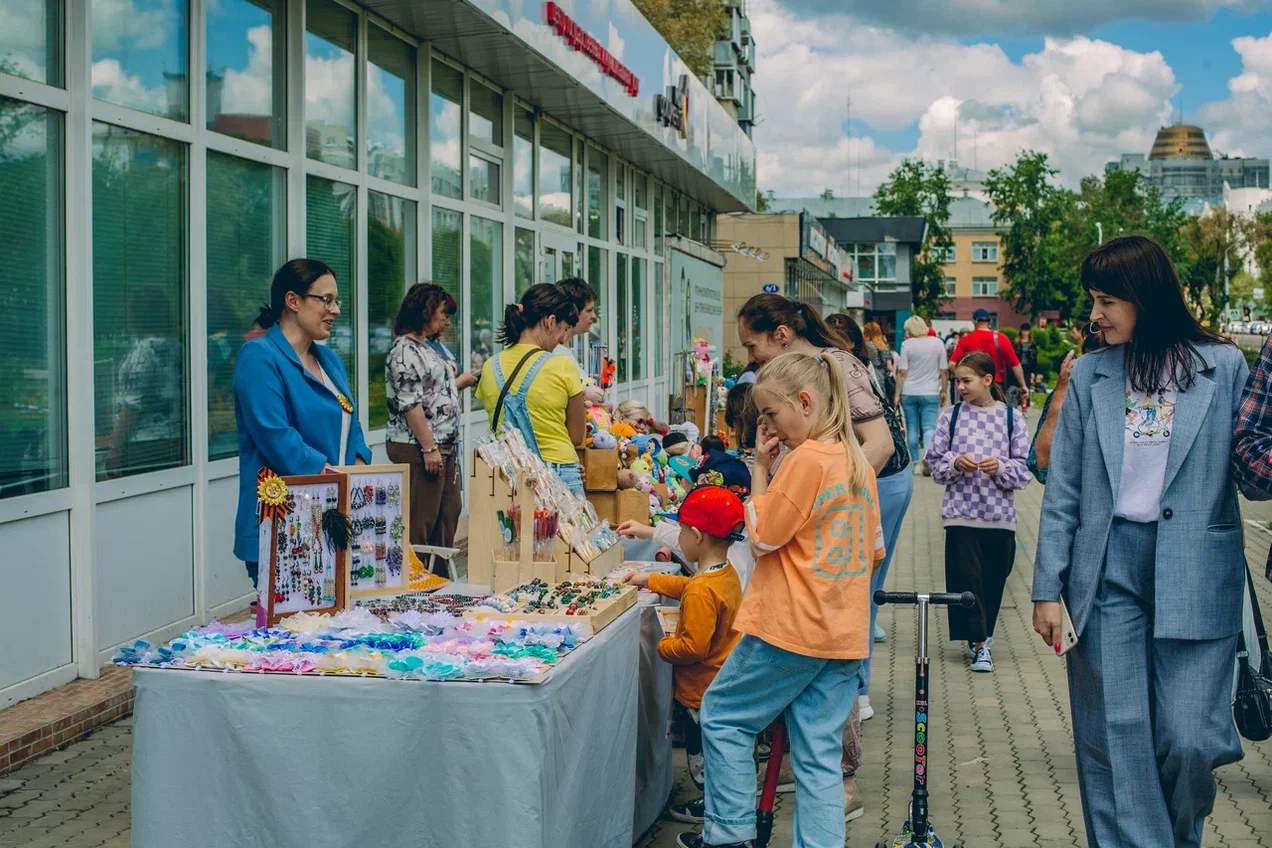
(272, 495)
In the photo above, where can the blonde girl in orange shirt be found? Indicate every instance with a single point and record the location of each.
(805, 618)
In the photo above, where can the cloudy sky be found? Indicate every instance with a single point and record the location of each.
(1082, 80)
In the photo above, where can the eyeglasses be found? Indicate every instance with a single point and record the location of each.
(329, 302)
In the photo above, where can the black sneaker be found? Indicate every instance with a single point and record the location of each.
(690, 812)
(691, 839)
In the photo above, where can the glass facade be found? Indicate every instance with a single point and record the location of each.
(331, 111)
(447, 263)
(331, 214)
(32, 301)
(555, 196)
(141, 55)
(140, 340)
(32, 49)
(446, 130)
(391, 265)
(247, 238)
(246, 82)
(390, 107)
(486, 286)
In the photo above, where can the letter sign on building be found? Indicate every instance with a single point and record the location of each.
(585, 43)
(672, 109)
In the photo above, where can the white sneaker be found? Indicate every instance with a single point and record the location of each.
(983, 660)
(864, 711)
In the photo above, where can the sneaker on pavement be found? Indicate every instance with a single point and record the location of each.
(880, 635)
(983, 660)
(691, 839)
(864, 710)
(690, 812)
(853, 808)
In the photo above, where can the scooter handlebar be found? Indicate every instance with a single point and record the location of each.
(945, 599)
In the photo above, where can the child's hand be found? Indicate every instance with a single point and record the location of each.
(637, 578)
(966, 464)
(767, 447)
(635, 530)
(989, 465)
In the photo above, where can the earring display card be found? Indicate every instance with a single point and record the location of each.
(380, 541)
(306, 571)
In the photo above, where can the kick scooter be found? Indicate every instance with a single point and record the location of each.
(918, 832)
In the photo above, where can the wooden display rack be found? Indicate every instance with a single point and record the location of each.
(605, 613)
(490, 491)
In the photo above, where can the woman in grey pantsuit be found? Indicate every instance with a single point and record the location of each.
(1141, 535)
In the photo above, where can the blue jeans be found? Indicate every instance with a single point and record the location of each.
(757, 683)
(894, 500)
(920, 419)
(570, 475)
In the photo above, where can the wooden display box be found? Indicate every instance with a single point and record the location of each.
(605, 504)
(606, 612)
(631, 505)
(599, 469)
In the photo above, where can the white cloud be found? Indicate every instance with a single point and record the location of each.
(1240, 123)
(251, 91)
(1080, 100)
(133, 24)
(114, 85)
(975, 17)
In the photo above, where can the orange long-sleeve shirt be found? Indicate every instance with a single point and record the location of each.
(704, 634)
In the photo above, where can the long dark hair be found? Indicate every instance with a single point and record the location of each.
(540, 301)
(296, 275)
(851, 331)
(1163, 349)
(983, 365)
(764, 313)
(420, 305)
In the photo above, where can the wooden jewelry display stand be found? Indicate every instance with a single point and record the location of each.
(490, 492)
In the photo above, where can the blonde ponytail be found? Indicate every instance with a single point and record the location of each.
(789, 374)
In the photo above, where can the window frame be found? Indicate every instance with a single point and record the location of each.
(980, 284)
(981, 249)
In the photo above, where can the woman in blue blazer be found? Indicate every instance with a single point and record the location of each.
(1141, 536)
(292, 399)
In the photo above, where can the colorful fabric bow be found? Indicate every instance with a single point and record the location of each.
(271, 493)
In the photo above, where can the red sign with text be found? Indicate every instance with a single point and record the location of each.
(583, 41)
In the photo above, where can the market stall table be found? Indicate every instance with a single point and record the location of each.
(277, 760)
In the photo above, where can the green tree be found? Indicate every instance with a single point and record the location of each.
(827, 194)
(1030, 207)
(762, 202)
(916, 189)
(691, 27)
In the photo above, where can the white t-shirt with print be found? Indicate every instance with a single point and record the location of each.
(563, 350)
(923, 359)
(1146, 446)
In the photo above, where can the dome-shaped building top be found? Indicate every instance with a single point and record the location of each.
(1181, 141)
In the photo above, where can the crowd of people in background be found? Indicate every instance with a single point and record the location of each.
(1139, 571)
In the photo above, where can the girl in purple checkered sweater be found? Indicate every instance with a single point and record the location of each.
(981, 464)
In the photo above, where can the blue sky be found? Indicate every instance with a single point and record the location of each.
(1082, 80)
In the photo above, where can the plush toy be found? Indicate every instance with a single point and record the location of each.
(600, 417)
(623, 431)
(642, 466)
(628, 453)
(689, 429)
(695, 452)
(604, 440)
(703, 360)
(676, 444)
(628, 479)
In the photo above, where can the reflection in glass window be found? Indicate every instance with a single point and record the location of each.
(247, 242)
(485, 115)
(247, 80)
(483, 179)
(659, 232)
(140, 380)
(447, 259)
(522, 261)
(638, 190)
(621, 177)
(639, 233)
(620, 285)
(32, 49)
(331, 123)
(887, 267)
(140, 55)
(597, 191)
(390, 272)
(597, 265)
(554, 174)
(486, 285)
(659, 308)
(32, 301)
(446, 130)
(638, 316)
(331, 209)
(580, 190)
(390, 107)
(695, 223)
(523, 164)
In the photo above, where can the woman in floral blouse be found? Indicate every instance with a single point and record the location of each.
(423, 429)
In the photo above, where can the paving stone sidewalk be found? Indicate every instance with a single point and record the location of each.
(1001, 759)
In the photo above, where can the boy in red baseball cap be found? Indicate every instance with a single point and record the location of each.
(711, 518)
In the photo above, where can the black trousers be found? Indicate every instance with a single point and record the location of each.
(977, 560)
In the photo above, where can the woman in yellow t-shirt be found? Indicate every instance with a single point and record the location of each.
(544, 399)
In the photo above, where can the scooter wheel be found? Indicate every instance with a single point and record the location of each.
(882, 845)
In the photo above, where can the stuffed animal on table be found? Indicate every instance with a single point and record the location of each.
(691, 431)
(622, 431)
(647, 443)
(675, 443)
(604, 440)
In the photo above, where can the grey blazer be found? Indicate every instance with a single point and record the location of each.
(1200, 556)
